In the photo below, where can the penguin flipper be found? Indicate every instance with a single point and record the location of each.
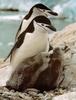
(16, 45)
(10, 54)
(18, 31)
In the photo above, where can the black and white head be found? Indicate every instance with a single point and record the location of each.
(40, 9)
(43, 23)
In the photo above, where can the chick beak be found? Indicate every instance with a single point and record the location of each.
(52, 28)
(53, 13)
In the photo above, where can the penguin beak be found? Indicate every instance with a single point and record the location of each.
(52, 28)
(53, 13)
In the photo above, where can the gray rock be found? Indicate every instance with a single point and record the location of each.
(66, 40)
(66, 96)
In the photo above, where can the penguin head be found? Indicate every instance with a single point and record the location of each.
(40, 9)
(42, 22)
(43, 10)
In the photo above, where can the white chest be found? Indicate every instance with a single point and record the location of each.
(33, 44)
(36, 41)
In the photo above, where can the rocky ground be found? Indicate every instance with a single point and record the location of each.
(33, 94)
(29, 94)
(65, 40)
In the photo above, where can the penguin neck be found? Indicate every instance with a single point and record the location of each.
(32, 17)
(40, 31)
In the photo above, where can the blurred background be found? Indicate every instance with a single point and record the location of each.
(12, 12)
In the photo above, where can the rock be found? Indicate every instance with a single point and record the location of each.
(66, 96)
(9, 9)
(66, 39)
(1, 61)
(5, 94)
(5, 73)
(29, 94)
(67, 36)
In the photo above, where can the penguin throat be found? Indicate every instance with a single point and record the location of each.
(42, 28)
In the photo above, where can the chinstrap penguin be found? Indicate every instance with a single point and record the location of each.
(36, 10)
(29, 45)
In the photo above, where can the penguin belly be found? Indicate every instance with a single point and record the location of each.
(31, 47)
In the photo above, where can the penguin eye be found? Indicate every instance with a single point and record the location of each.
(42, 24)
(43, 10)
